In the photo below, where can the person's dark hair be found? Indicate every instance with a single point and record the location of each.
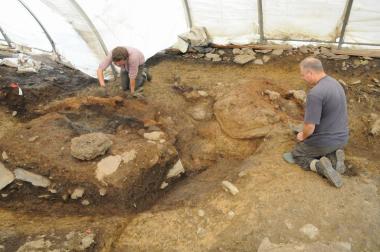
(119, 53)
(313, 64)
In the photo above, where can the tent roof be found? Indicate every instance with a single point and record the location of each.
(83, 31)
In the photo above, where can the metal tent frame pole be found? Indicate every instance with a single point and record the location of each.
(188, 15)
(95, 31)
(9, 42)
(261, 20)
(345, 21)
(322, 41)
(43, 28)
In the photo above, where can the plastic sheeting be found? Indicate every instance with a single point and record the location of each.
(154, 25)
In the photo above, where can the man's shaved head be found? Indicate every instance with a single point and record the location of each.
(312, 64)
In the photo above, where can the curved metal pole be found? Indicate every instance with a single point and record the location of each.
(94, 30)
(345, 21)
(188, 16)
(42, 27)
(261, 22)
(9, 42)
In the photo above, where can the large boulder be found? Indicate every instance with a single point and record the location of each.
(242, 115)
(90, 146)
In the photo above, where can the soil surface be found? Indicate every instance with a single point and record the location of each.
(193, 213)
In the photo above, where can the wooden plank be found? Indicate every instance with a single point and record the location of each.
(357, 52)
(255, 46)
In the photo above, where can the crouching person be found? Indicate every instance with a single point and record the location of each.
(131, 62)
(325, 130)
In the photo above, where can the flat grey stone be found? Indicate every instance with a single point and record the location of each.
(90, 146)
(243, 59)
(107, 166)
(277, 52)
(34, 179)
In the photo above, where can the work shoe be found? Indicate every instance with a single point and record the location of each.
(324, 168)
(288, 157)
(340, 166)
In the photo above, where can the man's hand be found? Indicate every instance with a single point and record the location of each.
(300, 136)
(308, 129)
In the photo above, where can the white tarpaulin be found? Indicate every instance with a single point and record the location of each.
(154, 25)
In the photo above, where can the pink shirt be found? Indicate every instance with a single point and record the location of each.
(135, 59)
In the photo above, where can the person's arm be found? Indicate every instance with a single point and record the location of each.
(103, 66)
(100, 75)
(132, 85)
(308, 129)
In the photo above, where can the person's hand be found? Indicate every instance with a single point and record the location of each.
(300, 136)
(137, 95)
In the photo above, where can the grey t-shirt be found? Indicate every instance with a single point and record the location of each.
(326, 108)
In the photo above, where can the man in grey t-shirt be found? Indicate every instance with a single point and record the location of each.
(325, 130)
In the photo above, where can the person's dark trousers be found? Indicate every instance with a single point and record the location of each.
(124, 76)
(303, 154)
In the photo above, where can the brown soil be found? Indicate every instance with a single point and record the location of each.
(275, 200)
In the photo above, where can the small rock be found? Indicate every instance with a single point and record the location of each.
(4, 195)
(201, 213)
(266, 58)
(299, 95)
(248, 51)
(258, 62)
(202, 93)
(201, 232)
(44, 196)
(163, 185)
(272, 95)
(229, 187)
(375, 128)
(34, 179)
(162, 140)
(14, 113)
(288, 224)
(86, 242)
(375, 80)
(32, 139)
(107, 166)
(85, 202)
(264, 51)
(154, 136)
(78, 193)
(231, 215)
(65, 197)
(4, 156)
(243, 59)
(343, 245)
(277, 52)
(236, 51)
(176, 170)
(310, 230)
(36, 245)
(51, 190)
(243, 173)
(221, 52)
(356, 82)
(304, 49)
(128, 156)
(6, 176)
(213, 56)
(102, 191)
